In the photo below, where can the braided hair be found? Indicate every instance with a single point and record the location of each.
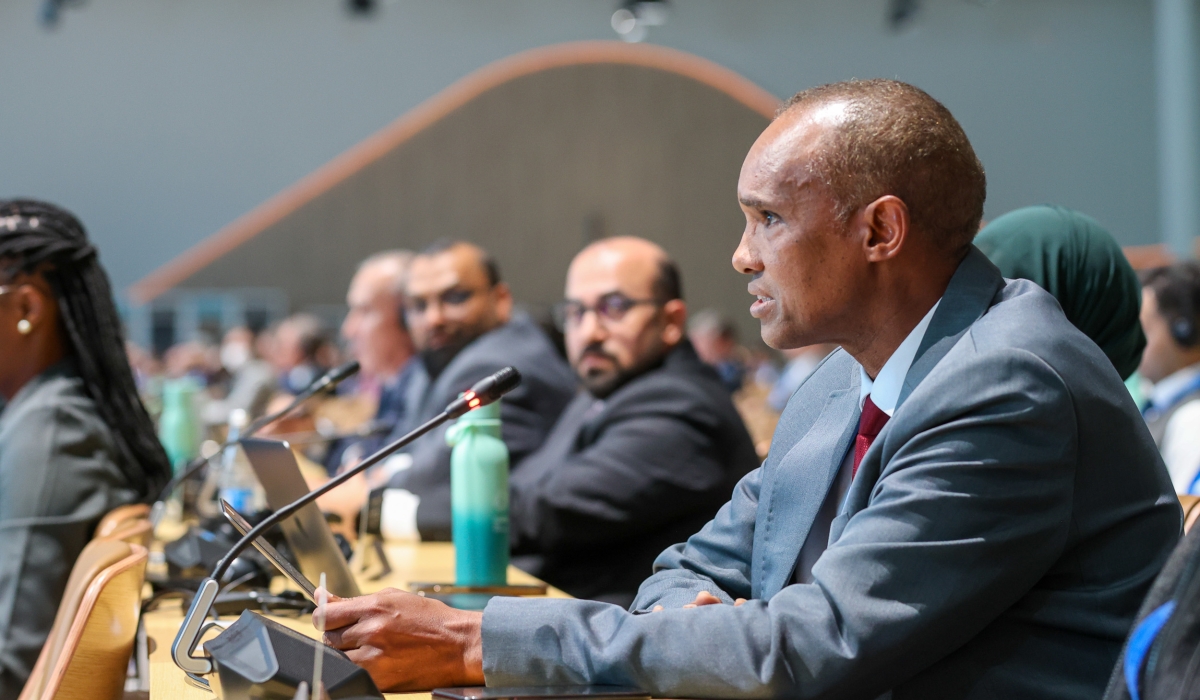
(40, 238)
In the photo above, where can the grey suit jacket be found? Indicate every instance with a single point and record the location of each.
(58, 477)
(996, 542)
(526, 413)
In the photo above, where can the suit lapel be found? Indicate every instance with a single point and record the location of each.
(968, 296)
(797, 488)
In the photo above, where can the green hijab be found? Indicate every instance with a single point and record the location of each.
(1075, 259)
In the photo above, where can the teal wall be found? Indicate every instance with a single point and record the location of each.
(159, 121)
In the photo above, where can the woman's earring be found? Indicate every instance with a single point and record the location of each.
(24, 326)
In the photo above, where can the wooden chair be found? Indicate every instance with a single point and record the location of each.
(119, 517)
(138, 531)
(1191, 511)
(87, 652)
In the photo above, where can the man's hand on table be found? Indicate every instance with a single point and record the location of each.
(703, 598)
(406, 641)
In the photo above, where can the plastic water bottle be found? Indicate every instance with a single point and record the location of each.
(479, 498)
(179, 427)
(238, 485)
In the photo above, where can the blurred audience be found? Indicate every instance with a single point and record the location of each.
(1171, 317)
(376, 336)
(249, 381)
(1078, 261)
(75, 440)
(646, 453)
(715, 338)
(295, 347)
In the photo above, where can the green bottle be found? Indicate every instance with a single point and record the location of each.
(479, 498)
(179, 426)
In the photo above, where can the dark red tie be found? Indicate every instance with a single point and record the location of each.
(869, 425)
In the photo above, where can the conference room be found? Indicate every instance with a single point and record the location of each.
(605, 349)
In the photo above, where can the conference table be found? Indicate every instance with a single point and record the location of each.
(426, 561)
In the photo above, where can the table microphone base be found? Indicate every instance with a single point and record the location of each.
(261, 659)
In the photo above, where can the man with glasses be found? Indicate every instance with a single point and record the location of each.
(461, 319)
(647, 454)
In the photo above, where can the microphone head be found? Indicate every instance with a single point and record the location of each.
(485, 391)
(491, 388)
(338, 374)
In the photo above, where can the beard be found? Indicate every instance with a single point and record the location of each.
(601, 383)
(437, 359)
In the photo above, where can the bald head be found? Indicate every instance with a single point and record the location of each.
(374, 326)
(622, 312)
(633, 259)
(885, 137)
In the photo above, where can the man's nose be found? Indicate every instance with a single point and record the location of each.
(744, 259)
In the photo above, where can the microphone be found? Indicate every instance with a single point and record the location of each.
(325, 382)
(484, 392)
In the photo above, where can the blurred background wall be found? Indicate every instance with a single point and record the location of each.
(159, 122)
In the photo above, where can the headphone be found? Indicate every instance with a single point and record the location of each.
(1182, 323)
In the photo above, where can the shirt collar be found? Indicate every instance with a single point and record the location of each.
(885, 389)
(1171, 388)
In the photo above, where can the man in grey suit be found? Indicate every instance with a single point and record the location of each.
(1004, 511)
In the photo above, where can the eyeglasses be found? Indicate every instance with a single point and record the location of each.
(610, 308)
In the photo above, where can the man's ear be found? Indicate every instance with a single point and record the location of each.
(675, 313)
(503, 301)
(887, 223)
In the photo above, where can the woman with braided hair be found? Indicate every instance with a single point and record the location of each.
(75, 440)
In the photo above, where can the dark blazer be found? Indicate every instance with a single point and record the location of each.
(996, 542)
(619, 480)
(527, 413)
(58, 477)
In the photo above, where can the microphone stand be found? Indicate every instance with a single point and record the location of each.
(328, 381)
(484, 392)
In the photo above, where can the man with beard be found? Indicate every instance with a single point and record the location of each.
(461, 319)
(647, 454)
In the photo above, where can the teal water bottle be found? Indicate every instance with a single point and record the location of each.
(179, 426)
(479, 498)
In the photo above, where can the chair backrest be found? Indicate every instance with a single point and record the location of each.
(119, 516)
(1191, 511)
(132, 531)
(87, 652)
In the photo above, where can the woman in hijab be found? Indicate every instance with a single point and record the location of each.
(1076, 260)
(75, 441)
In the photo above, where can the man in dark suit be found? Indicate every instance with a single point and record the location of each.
(988, 506)
(461, 318)
(647, 454)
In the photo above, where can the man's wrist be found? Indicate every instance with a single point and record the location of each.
(469, 628)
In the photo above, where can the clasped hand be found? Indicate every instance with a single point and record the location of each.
(406, 641)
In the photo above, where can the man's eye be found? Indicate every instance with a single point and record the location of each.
(455, 297)
(417, 306)
(770, 218)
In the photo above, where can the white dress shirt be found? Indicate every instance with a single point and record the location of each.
(1181, 438)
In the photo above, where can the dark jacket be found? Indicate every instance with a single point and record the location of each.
(620, 480)
(527, 413)
(58, 477)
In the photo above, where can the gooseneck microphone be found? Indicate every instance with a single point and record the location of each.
(325, 382)
(482, 393)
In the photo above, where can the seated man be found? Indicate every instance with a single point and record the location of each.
(1005, 512)
(376, 336)
(462, 322)
(1171, 319)
(647, 454)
